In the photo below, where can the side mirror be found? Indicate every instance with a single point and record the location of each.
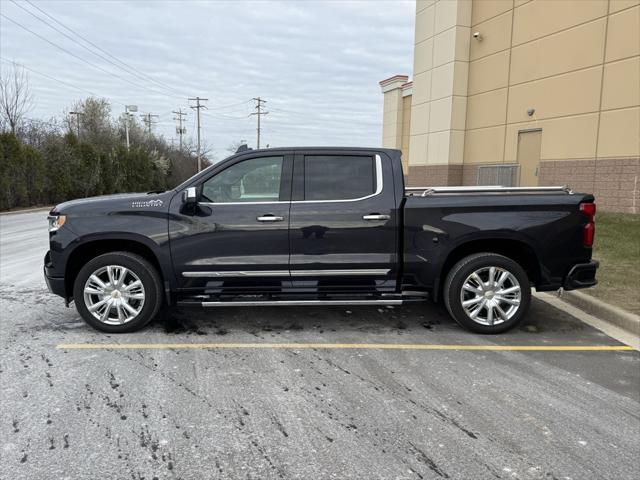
(189, 196)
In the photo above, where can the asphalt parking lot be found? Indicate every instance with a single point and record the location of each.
(389, 393)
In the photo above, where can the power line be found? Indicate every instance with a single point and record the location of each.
(222, 107)
(83, 59)
(197, 107)
(75, 41)
(128, 68)
(259, 114)
(223, 116)
(56, 79)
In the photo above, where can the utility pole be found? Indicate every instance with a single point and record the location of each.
(180, 131)
(77, 114)
(127, 109)
(259, 113)
(197, 107)
(147, 119)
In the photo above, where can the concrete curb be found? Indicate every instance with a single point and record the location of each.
(602, 323)
(600, 309)
(30, 210)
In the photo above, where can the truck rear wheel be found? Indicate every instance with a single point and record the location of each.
(118, 292)
(487, 293)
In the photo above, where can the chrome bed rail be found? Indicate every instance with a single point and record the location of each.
(426, 191)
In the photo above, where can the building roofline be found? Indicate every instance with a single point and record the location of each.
(395, 78)
(407, 89)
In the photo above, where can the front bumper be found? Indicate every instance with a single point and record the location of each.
(56, 285)
(582, 275)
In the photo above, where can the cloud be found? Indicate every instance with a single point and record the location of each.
(317, 63)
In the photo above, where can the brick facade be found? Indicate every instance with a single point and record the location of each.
(434, 175)
(615, 182)
(470, 175)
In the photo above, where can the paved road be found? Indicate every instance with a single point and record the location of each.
(294, 413)
(23, 243)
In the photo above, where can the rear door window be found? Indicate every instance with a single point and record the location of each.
(338, 177)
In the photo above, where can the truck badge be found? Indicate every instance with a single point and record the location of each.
(146, 203)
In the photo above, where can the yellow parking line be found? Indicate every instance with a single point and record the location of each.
(333, 346)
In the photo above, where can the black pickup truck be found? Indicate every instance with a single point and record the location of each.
(318, 226)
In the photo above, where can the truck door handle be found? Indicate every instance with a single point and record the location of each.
(269, 218)
(375, 216)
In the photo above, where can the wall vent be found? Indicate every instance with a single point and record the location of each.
(503, 175)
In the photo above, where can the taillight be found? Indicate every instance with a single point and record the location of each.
(588, 209)
(588, 234)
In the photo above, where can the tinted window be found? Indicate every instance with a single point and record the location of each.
(255, 180)
(336, 177)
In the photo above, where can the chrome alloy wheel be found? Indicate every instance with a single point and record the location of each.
(114, 295)
(490, 295)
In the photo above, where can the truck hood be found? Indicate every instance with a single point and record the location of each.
(116, 203)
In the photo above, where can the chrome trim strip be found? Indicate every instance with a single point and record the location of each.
(281, 303)
(235, 274)
(241, 203)
(331, 273)
(379, 185)
(285, 273)
(414, 293)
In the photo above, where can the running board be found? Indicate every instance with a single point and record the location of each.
(291, 303)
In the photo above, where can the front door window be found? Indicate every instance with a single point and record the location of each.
(254, 180)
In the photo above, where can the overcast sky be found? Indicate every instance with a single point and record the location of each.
(316, 63)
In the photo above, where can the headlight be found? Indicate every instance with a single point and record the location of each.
(56, 221)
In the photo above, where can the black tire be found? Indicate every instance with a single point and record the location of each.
(149, 277)
(453, 291)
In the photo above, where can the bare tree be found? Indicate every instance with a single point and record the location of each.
(205, 151)
(16, 99)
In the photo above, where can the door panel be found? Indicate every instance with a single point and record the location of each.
(343, 244)
(237, 238)
(529, 143)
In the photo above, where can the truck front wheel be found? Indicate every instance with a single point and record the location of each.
(118, 292)
(487, 293)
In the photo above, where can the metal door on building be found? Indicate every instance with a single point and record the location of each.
(529, 143)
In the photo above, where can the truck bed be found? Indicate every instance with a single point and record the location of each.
(545, 220)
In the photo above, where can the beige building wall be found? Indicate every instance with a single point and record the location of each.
(439, 99)
(566, 72)
(396, 122)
